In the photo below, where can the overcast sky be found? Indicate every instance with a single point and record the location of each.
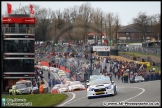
(125, 10)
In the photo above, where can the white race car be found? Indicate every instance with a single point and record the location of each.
(37, 66)
(45, 68)
(100, 87)
(61, 72)
(63, 88)
(76, 85)
(53, 69)
(55, 88)
(67, 82)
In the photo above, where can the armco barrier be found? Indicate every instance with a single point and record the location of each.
(63, 68)
(54, 92)
(44, 63)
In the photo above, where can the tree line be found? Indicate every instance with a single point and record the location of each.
(50, 22)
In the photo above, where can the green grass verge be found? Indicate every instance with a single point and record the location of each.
(135, 54)
(157, 69)
(40, 100)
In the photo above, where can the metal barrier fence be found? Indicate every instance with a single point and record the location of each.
(152, 50)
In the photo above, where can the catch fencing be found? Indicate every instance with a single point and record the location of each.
(146, 50)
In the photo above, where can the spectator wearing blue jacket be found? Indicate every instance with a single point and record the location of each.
(53, 82)
(154, 76)
(49, 83)
(49, 74)
(150, 76)
(58, 82)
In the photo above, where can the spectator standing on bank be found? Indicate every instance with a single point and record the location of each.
(53, 82)
(38, 84)
(7, 90)
(49, 74)
(122, 78)
(118, 75)
(42, 72)
(49, 84)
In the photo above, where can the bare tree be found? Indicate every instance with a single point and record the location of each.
(96, 21)
(105, 27)
(67, 21)
(78, 32)
(110, 20)
(59, 22)
(142, 24)
(44, 21)
(101, 25)
(85, 11)
(73, 15)
(155, 24)
(116, 27)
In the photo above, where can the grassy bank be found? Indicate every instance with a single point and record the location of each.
(158, 69)
(135, 54)
(40, 100)
(140, 54)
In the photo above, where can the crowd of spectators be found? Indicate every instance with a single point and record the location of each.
(124, 70)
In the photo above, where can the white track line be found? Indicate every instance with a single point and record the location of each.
(76, 100)
(143, 90)
(45, 82)
(68, 100)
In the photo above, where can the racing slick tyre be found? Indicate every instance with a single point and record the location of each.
(115, 91)
(89, 97)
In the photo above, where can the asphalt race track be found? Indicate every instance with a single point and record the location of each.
(128, 92)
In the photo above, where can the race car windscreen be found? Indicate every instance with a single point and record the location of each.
(28, 84)
(57, 85)
(97, 82)
(75, 82)
(21, 86)
(63, 86)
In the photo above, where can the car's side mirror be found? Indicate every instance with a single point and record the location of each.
(112, 82)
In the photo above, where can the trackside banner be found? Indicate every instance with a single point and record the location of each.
(101, 48)
(147, 63)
